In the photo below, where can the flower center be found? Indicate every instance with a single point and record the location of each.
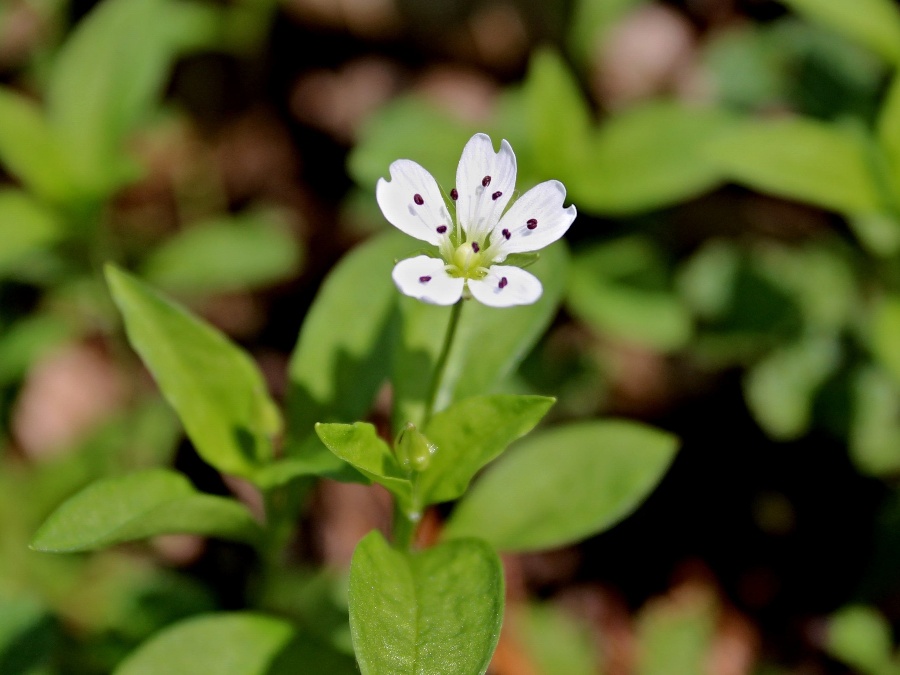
(468, 261)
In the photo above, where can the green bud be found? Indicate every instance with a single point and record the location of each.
(413, 449)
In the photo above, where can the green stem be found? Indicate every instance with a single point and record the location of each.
(442, 362)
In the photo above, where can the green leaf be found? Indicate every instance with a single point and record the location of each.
(358, 444)
(26, 225)
(676, 638)
(214, 386)
(800, 159)
(28, 635)
(558, 117)
(621, 289)
(780, 389)
(862, 638)
(237, 643)
(409, 128)
(648, 157)
(889, 133)
(471, 433)
(437, 611)
(873, 23)
(874, 436)
(342, 355)
(238, 253)
(564, 484)
(104, 81)
(490, 343)
(30, 150)
(885, 335)
(556, 642)
(140, 505)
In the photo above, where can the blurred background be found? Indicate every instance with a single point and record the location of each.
(733, 278)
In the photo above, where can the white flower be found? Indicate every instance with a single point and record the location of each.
(473, 247)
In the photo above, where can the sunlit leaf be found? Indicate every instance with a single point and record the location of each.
(648, 157)
(874, 23)
(471, 433)
(436, 611)
(213, 385)
(236, 643)
(861, 637)
(224, 255)
(564, 484)
(30, 150)
(26, 225)
(141, 505)
(799, 159)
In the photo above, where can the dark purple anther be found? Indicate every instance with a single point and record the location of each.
(475, 246)
(417, 198)
(502, 283)
(424, 280)
(441, 229)
(496, 195)
(454, 195)
(506, 233)
(486, 181)
(531, 224)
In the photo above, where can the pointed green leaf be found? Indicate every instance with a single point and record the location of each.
(873, 23)
(243, 252)
(30, 150)
(490, 343)
(621, 289)
(564, 484)
(800, 159)
(140, 505)
(861, 637)
(26, 225)
(435, 612)
(471, 433)
(648, 157)
(237, 643)
(342, 355)
(358, 444)
(214, 386)
(780, 389)
(105, 80)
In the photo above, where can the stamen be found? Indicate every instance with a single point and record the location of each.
(496, 195)
(502, 283)
(506, 233)
(417, 198)
(475, 246)
(532, 223)
(424, 280)
(441, 229)
(486, 181)
(454, 195)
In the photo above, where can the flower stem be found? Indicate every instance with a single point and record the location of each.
(441, 364)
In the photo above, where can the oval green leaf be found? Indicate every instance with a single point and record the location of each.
(224, 255)
(219, 644)
(214, 386)
(437, 612)
(26, 225)
(140, 505)
(564, 484)
(471, 433)
(800, 159)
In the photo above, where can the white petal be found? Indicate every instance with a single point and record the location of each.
(506, 286)
(426, 279)
(476, 208)
(398, 198)
(542, 204)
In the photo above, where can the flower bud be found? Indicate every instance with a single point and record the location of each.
(413, 449)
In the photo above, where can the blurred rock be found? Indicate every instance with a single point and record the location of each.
(368, 18)
(65, 394)
(337, 102)
(342, 514)
(465, 92)
(21, 28)
(647, 54)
